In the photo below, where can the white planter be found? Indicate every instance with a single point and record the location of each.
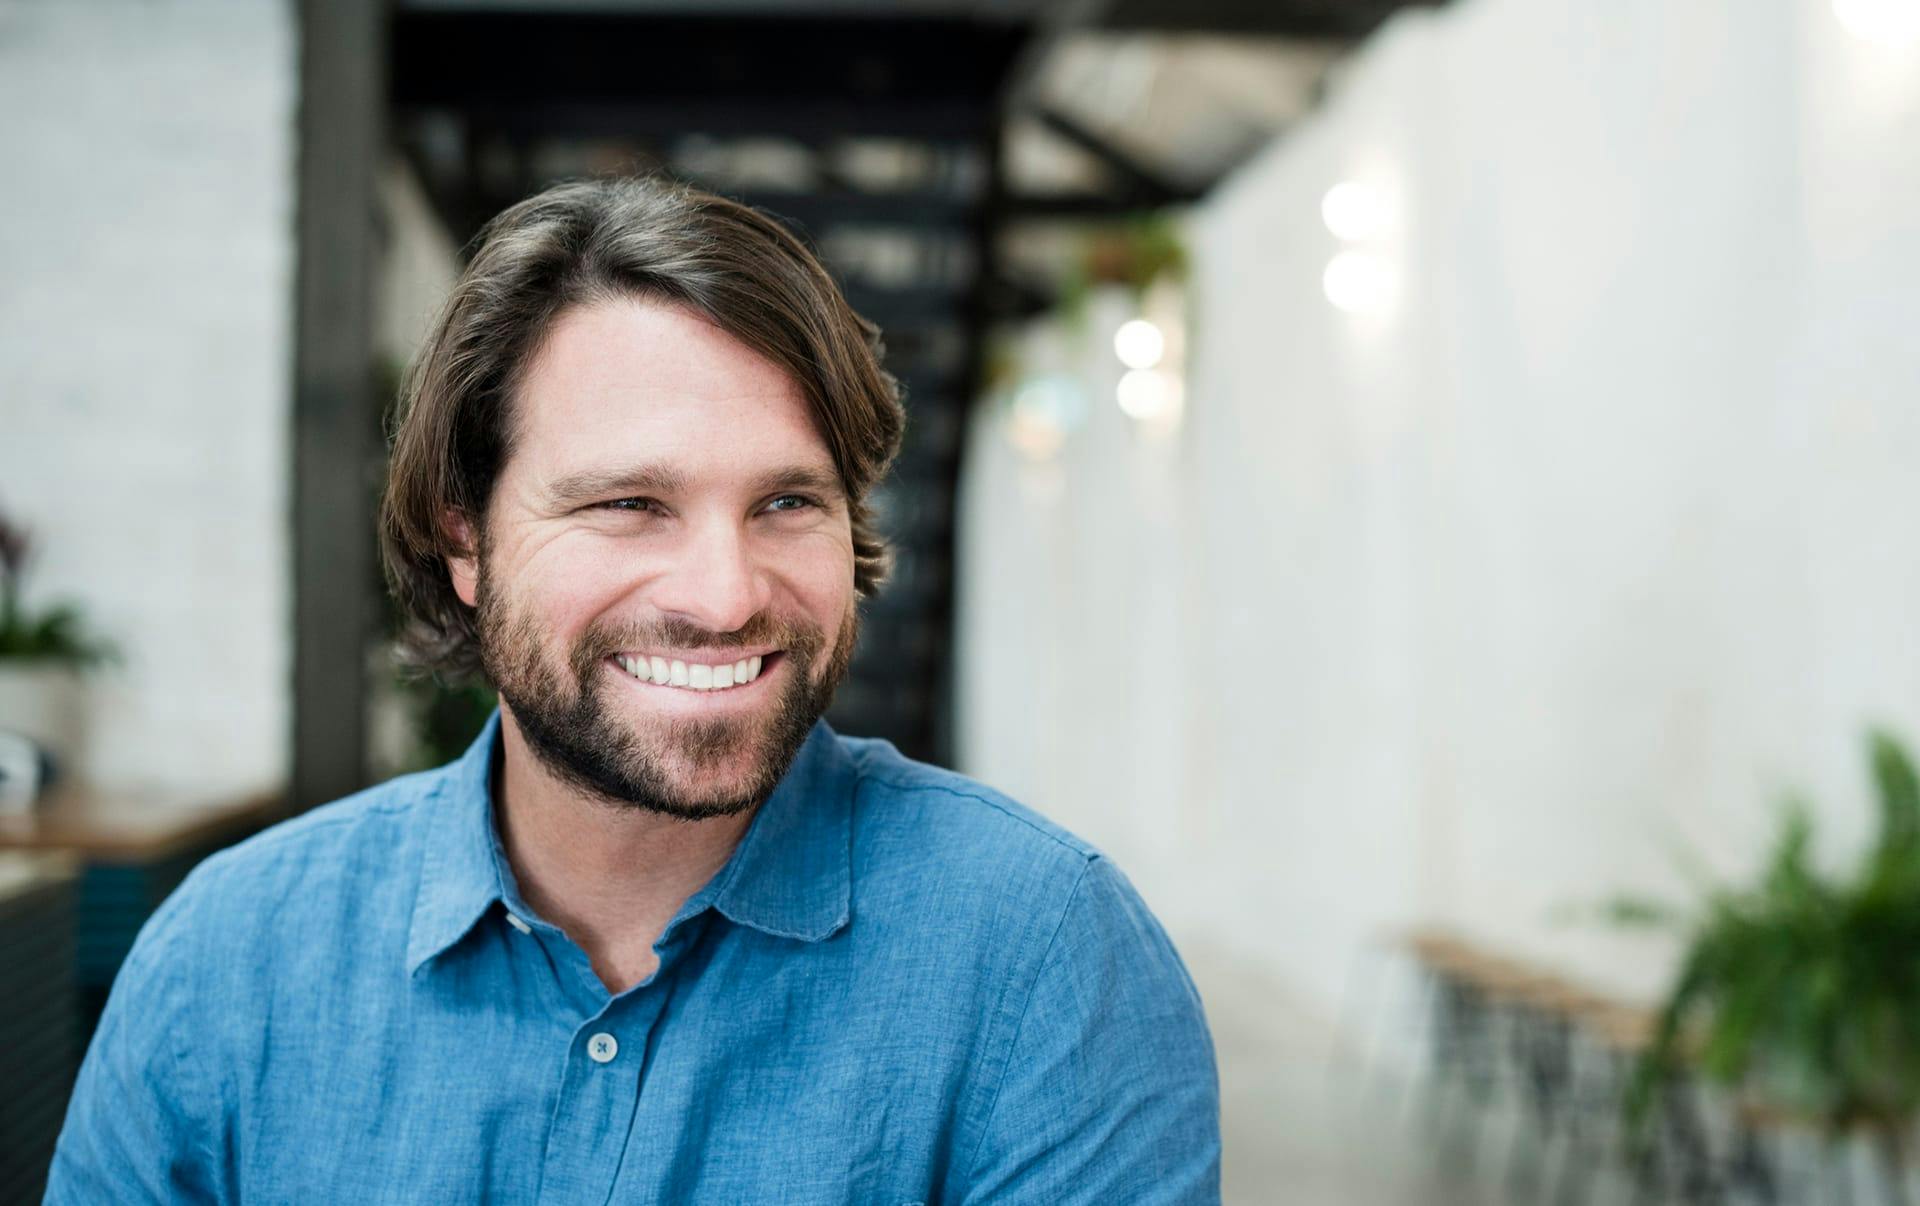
(47, 702)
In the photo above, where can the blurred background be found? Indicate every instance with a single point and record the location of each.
(1418, 484)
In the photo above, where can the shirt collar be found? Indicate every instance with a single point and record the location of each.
(791, 874)
(459, 879)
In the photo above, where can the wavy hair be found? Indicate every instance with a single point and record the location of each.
(595, 240)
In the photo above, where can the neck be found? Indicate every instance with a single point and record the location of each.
(611, 876)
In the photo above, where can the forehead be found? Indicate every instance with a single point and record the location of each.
(632, 380)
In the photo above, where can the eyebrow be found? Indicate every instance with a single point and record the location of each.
(589, 484)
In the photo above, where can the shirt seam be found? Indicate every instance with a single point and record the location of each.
(1080, 849)
(272, 839)
(1013, 1040)
(205, 1114)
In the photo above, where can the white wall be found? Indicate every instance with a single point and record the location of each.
(146, 233)
(1601, 534)
(418, 265)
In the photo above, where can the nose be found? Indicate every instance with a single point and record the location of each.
(715, 581)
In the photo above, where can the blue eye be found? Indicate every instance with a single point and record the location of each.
(800, 499)
(628, 504)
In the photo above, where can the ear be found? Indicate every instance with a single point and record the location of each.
(463, 565)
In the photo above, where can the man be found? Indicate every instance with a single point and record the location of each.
(661, 935)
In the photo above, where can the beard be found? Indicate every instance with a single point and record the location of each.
(676, 766)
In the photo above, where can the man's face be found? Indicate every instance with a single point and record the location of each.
(667, 505)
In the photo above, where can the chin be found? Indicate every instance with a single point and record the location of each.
(688, 778)
(696, 785)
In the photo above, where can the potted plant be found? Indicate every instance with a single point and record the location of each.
(42, 654)
(1801, 993)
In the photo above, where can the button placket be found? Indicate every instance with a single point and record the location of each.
(598, 1093)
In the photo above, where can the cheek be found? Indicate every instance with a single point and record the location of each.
(571, 586)
(584, 576)
(827, 606)
(822, 580)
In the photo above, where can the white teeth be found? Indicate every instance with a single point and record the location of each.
(692, 675)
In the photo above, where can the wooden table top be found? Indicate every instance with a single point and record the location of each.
(131, 826)
(22, 871)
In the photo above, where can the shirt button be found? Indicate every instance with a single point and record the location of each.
(603, 1047)
(518, 924)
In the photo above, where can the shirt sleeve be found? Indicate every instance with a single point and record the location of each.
(1110, 1092)
(136, 1129)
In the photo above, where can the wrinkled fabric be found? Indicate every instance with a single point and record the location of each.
(902, 987)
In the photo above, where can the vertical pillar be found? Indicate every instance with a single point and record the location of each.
(335, 411)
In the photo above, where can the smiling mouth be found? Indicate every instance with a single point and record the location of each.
(696, 676)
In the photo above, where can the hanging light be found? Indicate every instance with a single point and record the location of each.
(1149, 394)
(1355, 211)
(1358, 282)
(1139, 344)
(1044, 411)
(1891, 22)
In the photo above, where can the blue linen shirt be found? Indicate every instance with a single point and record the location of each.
(902, 987)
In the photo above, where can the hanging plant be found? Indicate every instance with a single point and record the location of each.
(1133, 253)
(56, 635)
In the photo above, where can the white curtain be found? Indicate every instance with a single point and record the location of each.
(1600, 528)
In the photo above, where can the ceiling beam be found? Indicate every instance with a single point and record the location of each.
(1140, 185)
(1317, 20)
(1020, 87)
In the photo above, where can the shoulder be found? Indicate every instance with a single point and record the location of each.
(368, 826)
(899, 792)
(337, 864)
(916, 825)
(925, 837)
(1094, 1068)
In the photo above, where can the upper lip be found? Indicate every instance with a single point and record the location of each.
(706, 657)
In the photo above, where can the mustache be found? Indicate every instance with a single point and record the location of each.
(804, 641)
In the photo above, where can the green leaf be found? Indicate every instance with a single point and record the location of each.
(55, 636)
(1804, 989)
(1898, 855)
(1640, 912)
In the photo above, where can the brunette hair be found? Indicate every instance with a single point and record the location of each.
(594, 240)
